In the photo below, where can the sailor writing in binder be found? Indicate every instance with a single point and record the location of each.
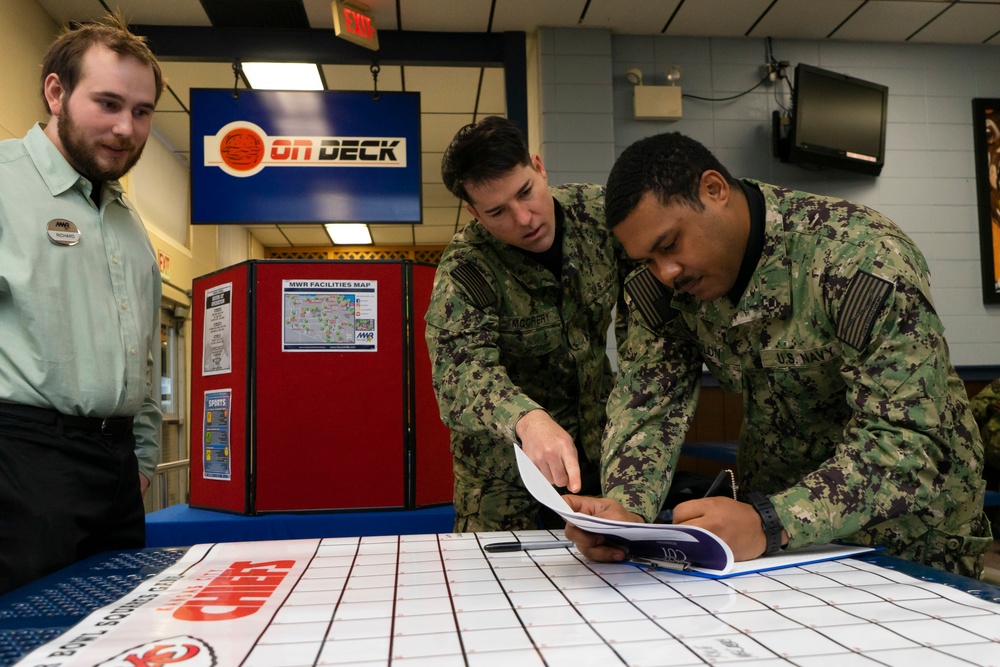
(818, 311)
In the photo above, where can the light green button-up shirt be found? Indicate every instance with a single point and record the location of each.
(79, 325)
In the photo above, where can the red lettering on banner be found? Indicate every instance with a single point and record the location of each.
(239, 591)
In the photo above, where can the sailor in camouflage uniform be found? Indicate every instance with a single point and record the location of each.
(818, 311)
(986, 409)
(517, 327)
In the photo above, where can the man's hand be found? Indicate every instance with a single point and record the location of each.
(591, 545)
(143, 484)
(550, 448)
(735, 523)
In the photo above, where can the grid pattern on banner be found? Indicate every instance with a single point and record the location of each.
(441, 600)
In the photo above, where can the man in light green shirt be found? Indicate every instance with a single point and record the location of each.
(79, 312)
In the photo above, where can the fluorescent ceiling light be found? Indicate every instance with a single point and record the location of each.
(283, 76)
(348, 234)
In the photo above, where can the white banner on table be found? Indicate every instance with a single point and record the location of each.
(189, 613)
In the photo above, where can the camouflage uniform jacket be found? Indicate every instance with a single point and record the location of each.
(506, 338)
(986, 409)
(855, 421)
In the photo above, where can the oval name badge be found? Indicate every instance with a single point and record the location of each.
(62, 232)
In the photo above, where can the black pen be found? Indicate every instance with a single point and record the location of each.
(717, 482)
(667, 516)
(500, 547)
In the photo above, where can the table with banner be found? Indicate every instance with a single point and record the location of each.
(442, 599)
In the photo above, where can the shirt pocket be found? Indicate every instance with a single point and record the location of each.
(531, 346)
(804, 387)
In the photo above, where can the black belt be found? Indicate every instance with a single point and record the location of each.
(102, 425)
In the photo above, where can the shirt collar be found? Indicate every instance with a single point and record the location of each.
(58, 174)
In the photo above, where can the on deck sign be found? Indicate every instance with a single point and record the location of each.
(293, 156)
(242, 149)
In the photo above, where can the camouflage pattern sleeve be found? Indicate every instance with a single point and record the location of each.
(473, 389)
(986, 410)
(909, 462)
(649, 413)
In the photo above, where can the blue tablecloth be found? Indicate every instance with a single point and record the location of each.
(182, 526)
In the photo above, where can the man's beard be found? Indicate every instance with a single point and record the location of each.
(81, 155)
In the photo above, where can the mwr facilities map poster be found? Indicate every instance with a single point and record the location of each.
(329, 315)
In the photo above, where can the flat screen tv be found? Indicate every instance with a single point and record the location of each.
(837, 121)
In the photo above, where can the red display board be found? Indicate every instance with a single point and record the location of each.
(324, 400)
(435, 480)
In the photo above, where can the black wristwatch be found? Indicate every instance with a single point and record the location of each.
(768, 520)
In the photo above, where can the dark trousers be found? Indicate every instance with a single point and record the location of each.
(67, 491)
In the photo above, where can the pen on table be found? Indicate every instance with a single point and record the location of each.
(500, 547)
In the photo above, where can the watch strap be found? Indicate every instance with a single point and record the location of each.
(768, 520)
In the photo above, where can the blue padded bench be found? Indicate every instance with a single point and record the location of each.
(714, 450)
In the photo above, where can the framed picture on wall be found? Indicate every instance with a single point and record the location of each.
(986, 137)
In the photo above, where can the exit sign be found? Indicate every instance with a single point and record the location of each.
(163, 259)
(351, 22)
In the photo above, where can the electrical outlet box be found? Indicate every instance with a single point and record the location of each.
(656, 102)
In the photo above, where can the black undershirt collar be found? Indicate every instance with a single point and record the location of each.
(551, 259)
(755, 242)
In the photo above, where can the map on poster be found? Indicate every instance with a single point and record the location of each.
(330, 315)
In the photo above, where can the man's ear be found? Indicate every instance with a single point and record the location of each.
(714, 187)
(472, 211)
(53, 90)
(536, 163)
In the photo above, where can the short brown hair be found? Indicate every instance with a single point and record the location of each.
(66, 53)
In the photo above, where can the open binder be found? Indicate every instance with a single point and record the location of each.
(680, 548)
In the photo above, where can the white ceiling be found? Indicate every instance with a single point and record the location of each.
(453, 96)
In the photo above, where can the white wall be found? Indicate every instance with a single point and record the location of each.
(928, 185)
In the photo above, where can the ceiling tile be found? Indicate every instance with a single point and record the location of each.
(527, 15)
(718, 18)
(430, 167)
(183, 76)
(887, 21)
(174, 129)
(306, 234)
(269, 236)
(444, 216)
(392, 234)
(432, 235)
(435, 194)
(492, 96)
(631, 17)
(804, 19)
(153, 12)
(444, 89)
(359, 77)
(445, 15)
(437, 130)
(962, 23)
